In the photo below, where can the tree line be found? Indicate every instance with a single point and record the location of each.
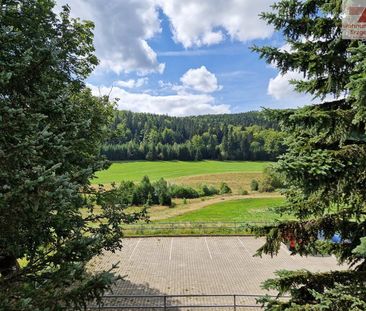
(146, 193)
(144, 136)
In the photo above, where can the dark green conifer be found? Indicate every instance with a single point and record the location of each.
(325, 165)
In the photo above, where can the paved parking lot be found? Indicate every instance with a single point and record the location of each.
(200, 265)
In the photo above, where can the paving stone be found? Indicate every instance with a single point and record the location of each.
(200, 265)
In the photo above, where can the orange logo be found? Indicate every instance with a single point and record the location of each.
(359, 11)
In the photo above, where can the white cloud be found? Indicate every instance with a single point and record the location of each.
(164, 84)
(206, 22)
(200, 79)
(280, 86)
(122, 29)
(132, 83)
(177, 105)
(284, 92)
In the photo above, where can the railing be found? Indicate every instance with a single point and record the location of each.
(176, 302)
(191, 228)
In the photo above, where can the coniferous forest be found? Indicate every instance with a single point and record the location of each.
(242, 136)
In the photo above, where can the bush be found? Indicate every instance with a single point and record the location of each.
(125, 192)
(213, 190)
(272, 180)
(184, 201)
(205, 191)
(224, 188)
(182, 192)
(144, 193)
(161, 192)
(254, 185)
(243, 191)
(265, 186)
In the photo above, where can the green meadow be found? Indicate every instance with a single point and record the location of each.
(135, 170)
(244, 210)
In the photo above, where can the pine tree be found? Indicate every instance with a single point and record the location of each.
(51, 130)
(325, 165)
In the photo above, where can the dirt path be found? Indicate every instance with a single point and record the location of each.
(163, 212)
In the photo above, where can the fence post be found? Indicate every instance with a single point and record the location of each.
(234, 302)
(165, 303)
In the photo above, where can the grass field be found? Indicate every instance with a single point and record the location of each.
(244, 210)
(236, 181)
(220, 218)
(219, 209)
(135, 170)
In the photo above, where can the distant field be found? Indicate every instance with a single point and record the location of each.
(244, 210)
(235, 180)
(196, 218)
(135, 170)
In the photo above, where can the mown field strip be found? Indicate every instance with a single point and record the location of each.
(160, 213)
(242, 210)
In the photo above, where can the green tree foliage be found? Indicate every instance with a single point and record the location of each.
(271, 180)
(254, 185)
(224, 188)
(361, 249)
(207, 191)
(325, 165)
(161, 191)
(51, 130)
(183, 192)
(143, 136)
(143, 192)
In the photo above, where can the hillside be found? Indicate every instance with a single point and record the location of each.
(242, 136)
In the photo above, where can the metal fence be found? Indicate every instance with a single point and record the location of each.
(166, 228)
(179, 302)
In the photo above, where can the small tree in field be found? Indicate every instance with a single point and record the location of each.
(51, 132)
(325, 165)
(254, 185)
(224, 188)
(161, 192)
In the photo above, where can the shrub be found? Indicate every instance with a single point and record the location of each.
(213, 190)
(184, 201)
(144, 193)
(224, 188)
(254, 185)
(205, 191)
(243, 191)
(272, 180)
(161, 192)
(182, 192)
(125, 192)
(265, 186)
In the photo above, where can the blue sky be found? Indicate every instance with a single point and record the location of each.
(185, 57)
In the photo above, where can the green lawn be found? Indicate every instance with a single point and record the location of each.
(245, 210)
(135, 170)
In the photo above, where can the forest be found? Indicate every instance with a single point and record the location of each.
(242, 136)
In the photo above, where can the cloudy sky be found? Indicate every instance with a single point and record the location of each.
(185, 57)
